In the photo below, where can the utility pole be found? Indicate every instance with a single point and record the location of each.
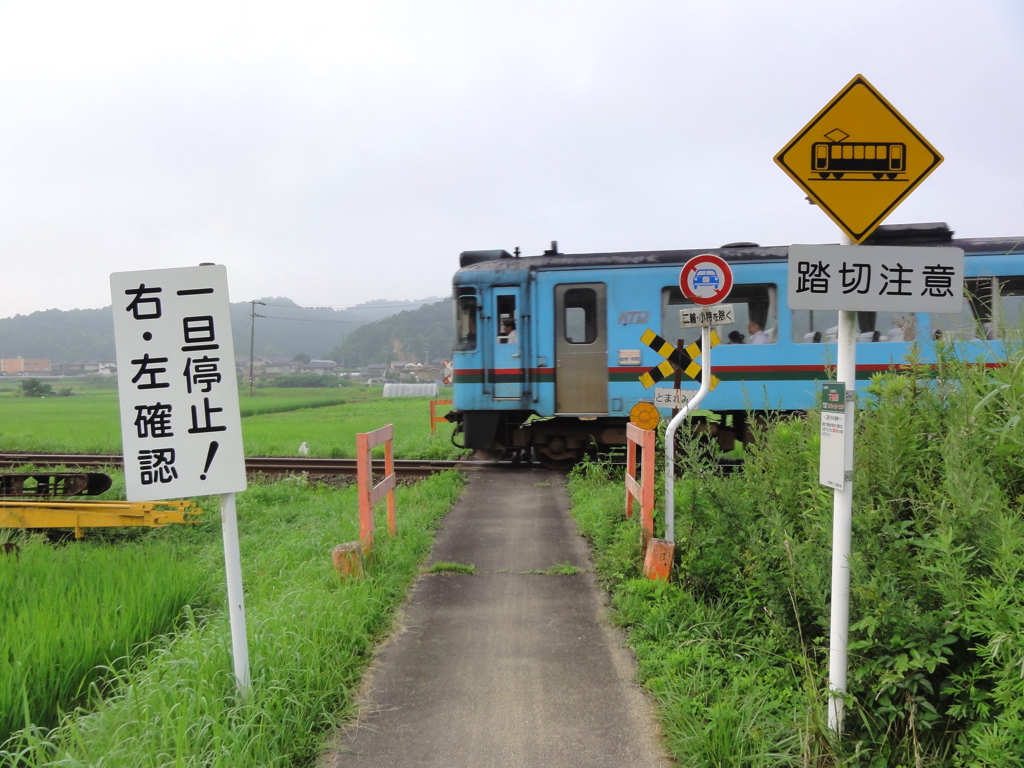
(252, 337)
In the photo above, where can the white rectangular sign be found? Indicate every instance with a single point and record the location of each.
(876, 278)
(629, 357)
(696, 317)
(672, 398)
(180, 425)
(832, 459)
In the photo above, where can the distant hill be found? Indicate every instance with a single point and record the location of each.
(408, 336)
(284, 329)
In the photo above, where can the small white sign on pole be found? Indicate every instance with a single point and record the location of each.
(832, 467)
(672, 398)
(180, 424)
(719, 314)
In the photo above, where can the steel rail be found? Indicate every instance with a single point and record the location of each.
(269, 465)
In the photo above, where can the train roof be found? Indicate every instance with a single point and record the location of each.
(930, 234)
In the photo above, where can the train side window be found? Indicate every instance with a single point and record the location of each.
(580, 316)
(1009, 314)
(754, 311)
(821, 326)
(812, 326)
(507, 333)
(969, 323)
(886, 326)
(465, 323)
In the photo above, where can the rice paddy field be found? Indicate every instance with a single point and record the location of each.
(274, 423)
(116, 649)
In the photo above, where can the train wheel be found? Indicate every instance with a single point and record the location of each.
(823, 175)
(890, 176)
(838, 175)
(877, 175)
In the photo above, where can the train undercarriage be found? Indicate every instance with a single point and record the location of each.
(558, 442)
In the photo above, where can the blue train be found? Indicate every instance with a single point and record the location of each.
(548, 353)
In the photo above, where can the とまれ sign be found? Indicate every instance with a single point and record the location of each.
(876, 278)
(858, 159)
(180, 424)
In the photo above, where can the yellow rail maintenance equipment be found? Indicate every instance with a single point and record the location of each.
(19, 513)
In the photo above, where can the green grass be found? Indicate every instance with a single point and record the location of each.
(562, 569)
(448, 567)
(68, 610)
(85, 424)
(311, 635)
(274, 423)
(332, 432)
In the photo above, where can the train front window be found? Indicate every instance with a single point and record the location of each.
(754, 312)
(465, 323)
(580, 316)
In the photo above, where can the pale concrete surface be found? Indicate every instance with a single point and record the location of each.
(504, 668)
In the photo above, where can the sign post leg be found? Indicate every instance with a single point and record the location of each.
(236, 597)
(842, 523)
(670, 435)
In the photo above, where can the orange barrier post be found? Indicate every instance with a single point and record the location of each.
(434, 418)
(642, 491)
(370, 494)
(658, 553)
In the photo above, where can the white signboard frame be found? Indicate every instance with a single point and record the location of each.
(180, 424)
(876, 278)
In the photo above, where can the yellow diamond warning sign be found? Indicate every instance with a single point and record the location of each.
(858, 159)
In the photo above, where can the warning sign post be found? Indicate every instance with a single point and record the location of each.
(857, 159)
(180, 426)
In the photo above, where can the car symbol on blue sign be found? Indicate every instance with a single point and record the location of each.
(706, 278)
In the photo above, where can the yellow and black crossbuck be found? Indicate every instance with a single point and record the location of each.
(683, 360)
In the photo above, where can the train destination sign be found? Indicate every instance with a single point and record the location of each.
(178, 395)
(858, 159)
(876, 278)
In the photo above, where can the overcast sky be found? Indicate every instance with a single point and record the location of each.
(345, 151)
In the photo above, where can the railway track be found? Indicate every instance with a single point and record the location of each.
(267, 465)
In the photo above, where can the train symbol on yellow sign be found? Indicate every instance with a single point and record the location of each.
(858, 159)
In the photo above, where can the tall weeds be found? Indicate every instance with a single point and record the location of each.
(738, 644)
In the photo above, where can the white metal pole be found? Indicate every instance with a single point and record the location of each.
(842, 523)
(670, 434)
(236, 598)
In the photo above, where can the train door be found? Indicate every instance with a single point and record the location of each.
(581, 349)
(508, 344)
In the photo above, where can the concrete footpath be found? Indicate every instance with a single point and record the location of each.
(504, 667)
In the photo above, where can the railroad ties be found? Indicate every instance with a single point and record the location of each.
(267, 465)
